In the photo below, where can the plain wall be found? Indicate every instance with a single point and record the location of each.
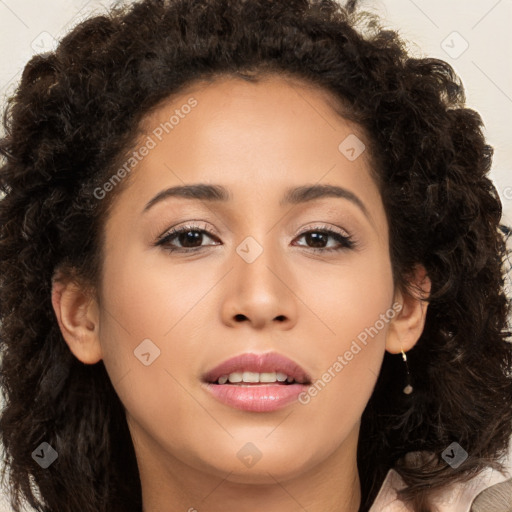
(473, 36)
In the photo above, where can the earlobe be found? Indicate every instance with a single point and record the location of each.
(406, 327)
(78, 318)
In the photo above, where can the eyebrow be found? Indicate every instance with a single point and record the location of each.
(292, 196)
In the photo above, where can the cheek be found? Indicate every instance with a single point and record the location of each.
(149, 296)
(346, 297)
(343, 385)
(148, 319)
(355, 308)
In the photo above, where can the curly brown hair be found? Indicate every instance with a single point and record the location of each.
(77, 112)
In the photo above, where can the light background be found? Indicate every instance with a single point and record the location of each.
(474, 36)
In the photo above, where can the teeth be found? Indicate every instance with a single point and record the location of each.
(251, 377)
(267, 377)
(235, 377)
(254, 377)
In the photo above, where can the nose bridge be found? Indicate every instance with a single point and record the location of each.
(258, 261)
(258, 240)
(260, 293)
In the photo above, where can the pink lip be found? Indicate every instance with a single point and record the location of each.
(257, 397)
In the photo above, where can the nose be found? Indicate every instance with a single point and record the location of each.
(260, 292)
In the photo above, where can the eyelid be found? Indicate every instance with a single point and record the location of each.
(325, 227)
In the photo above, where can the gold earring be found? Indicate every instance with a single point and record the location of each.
(408, 388)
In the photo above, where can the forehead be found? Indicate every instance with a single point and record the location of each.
(256, 139)
(253, 128)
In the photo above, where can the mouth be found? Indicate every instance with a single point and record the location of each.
(254, 369)
(257, 382)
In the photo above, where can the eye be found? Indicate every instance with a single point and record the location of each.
(319, 236)
(190, 237)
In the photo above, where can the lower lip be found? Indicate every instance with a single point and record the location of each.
(256, 398)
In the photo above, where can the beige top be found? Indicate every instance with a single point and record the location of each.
(456, 498)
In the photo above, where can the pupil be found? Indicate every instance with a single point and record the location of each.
(189, 236)
(316, 238)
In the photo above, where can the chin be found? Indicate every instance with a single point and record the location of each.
(248, 466)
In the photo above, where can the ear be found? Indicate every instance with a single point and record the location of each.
(77, 313)
(406, 327)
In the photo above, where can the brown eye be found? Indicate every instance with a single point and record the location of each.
(318, 239)
(188, 238)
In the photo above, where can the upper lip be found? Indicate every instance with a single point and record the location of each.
(260, 363)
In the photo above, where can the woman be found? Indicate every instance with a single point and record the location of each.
(251, 258)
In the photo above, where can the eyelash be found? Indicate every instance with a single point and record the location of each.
(347, 242)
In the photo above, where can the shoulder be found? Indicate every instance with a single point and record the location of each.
(456, 498)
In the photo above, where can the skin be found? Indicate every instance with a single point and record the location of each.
(199, 309)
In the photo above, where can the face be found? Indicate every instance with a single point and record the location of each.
(305, 278)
